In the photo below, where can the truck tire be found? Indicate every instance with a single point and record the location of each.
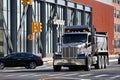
(57, 68)
(118, 61)
(102, 62)
(105, 61)
(87, 64)
(98, 65)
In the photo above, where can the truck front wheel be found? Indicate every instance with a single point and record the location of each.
(88, 64)
(57, 68)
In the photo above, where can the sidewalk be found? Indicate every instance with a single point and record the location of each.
(113, 56)
(47, 60)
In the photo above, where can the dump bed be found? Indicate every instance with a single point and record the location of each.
(102, 41)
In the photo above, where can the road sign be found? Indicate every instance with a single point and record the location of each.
(31, 37)
(58, 22)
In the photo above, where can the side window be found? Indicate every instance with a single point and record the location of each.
(29, 55)
(17, 55)
(89, 39)
(11, 55)
(23, 55)
(14, 55)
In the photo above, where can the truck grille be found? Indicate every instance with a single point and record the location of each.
(69, 52)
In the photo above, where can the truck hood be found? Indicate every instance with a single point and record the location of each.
(77, 45)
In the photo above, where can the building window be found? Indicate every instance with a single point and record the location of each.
(79, 17)
(117, 14)
(70, 16)
(117, 27)
(114, 12)
(117, 43)
(87, 18)
(116, 1)
(114, 27)
(113, 1)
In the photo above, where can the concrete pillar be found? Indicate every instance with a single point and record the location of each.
(13, 24)
(55, 38)
(29, 28)
(43, 34)
(83, 16)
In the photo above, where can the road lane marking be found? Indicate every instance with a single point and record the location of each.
(102, 75)
(57, 74)
(54, 77)
(85, 75)
(62, 77)
(43, 68)
(73, 78)
(25, 75)
(9, 75)
(117, 76)
(70, 74)
(34, 75)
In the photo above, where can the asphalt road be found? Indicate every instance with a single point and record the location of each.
(45, 72)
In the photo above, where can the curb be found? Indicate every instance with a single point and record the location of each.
(113, 56)
(47, 59)
(50, 59)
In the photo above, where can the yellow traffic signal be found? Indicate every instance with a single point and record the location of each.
(39, 27)
(25, 2)
(34, 29)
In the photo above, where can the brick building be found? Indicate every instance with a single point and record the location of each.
(103, 20)
(116, 5)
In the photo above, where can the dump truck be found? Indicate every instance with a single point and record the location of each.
(82, 47)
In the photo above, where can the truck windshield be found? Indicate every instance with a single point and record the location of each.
(74, 38)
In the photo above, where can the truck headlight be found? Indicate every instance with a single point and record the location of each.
(57, 56)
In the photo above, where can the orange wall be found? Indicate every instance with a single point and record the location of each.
(103, 19)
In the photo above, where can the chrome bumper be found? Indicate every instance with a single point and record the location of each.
(65, 62)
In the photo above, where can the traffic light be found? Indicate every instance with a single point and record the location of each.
(34, 29)
(39, 27)
(27, 2)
